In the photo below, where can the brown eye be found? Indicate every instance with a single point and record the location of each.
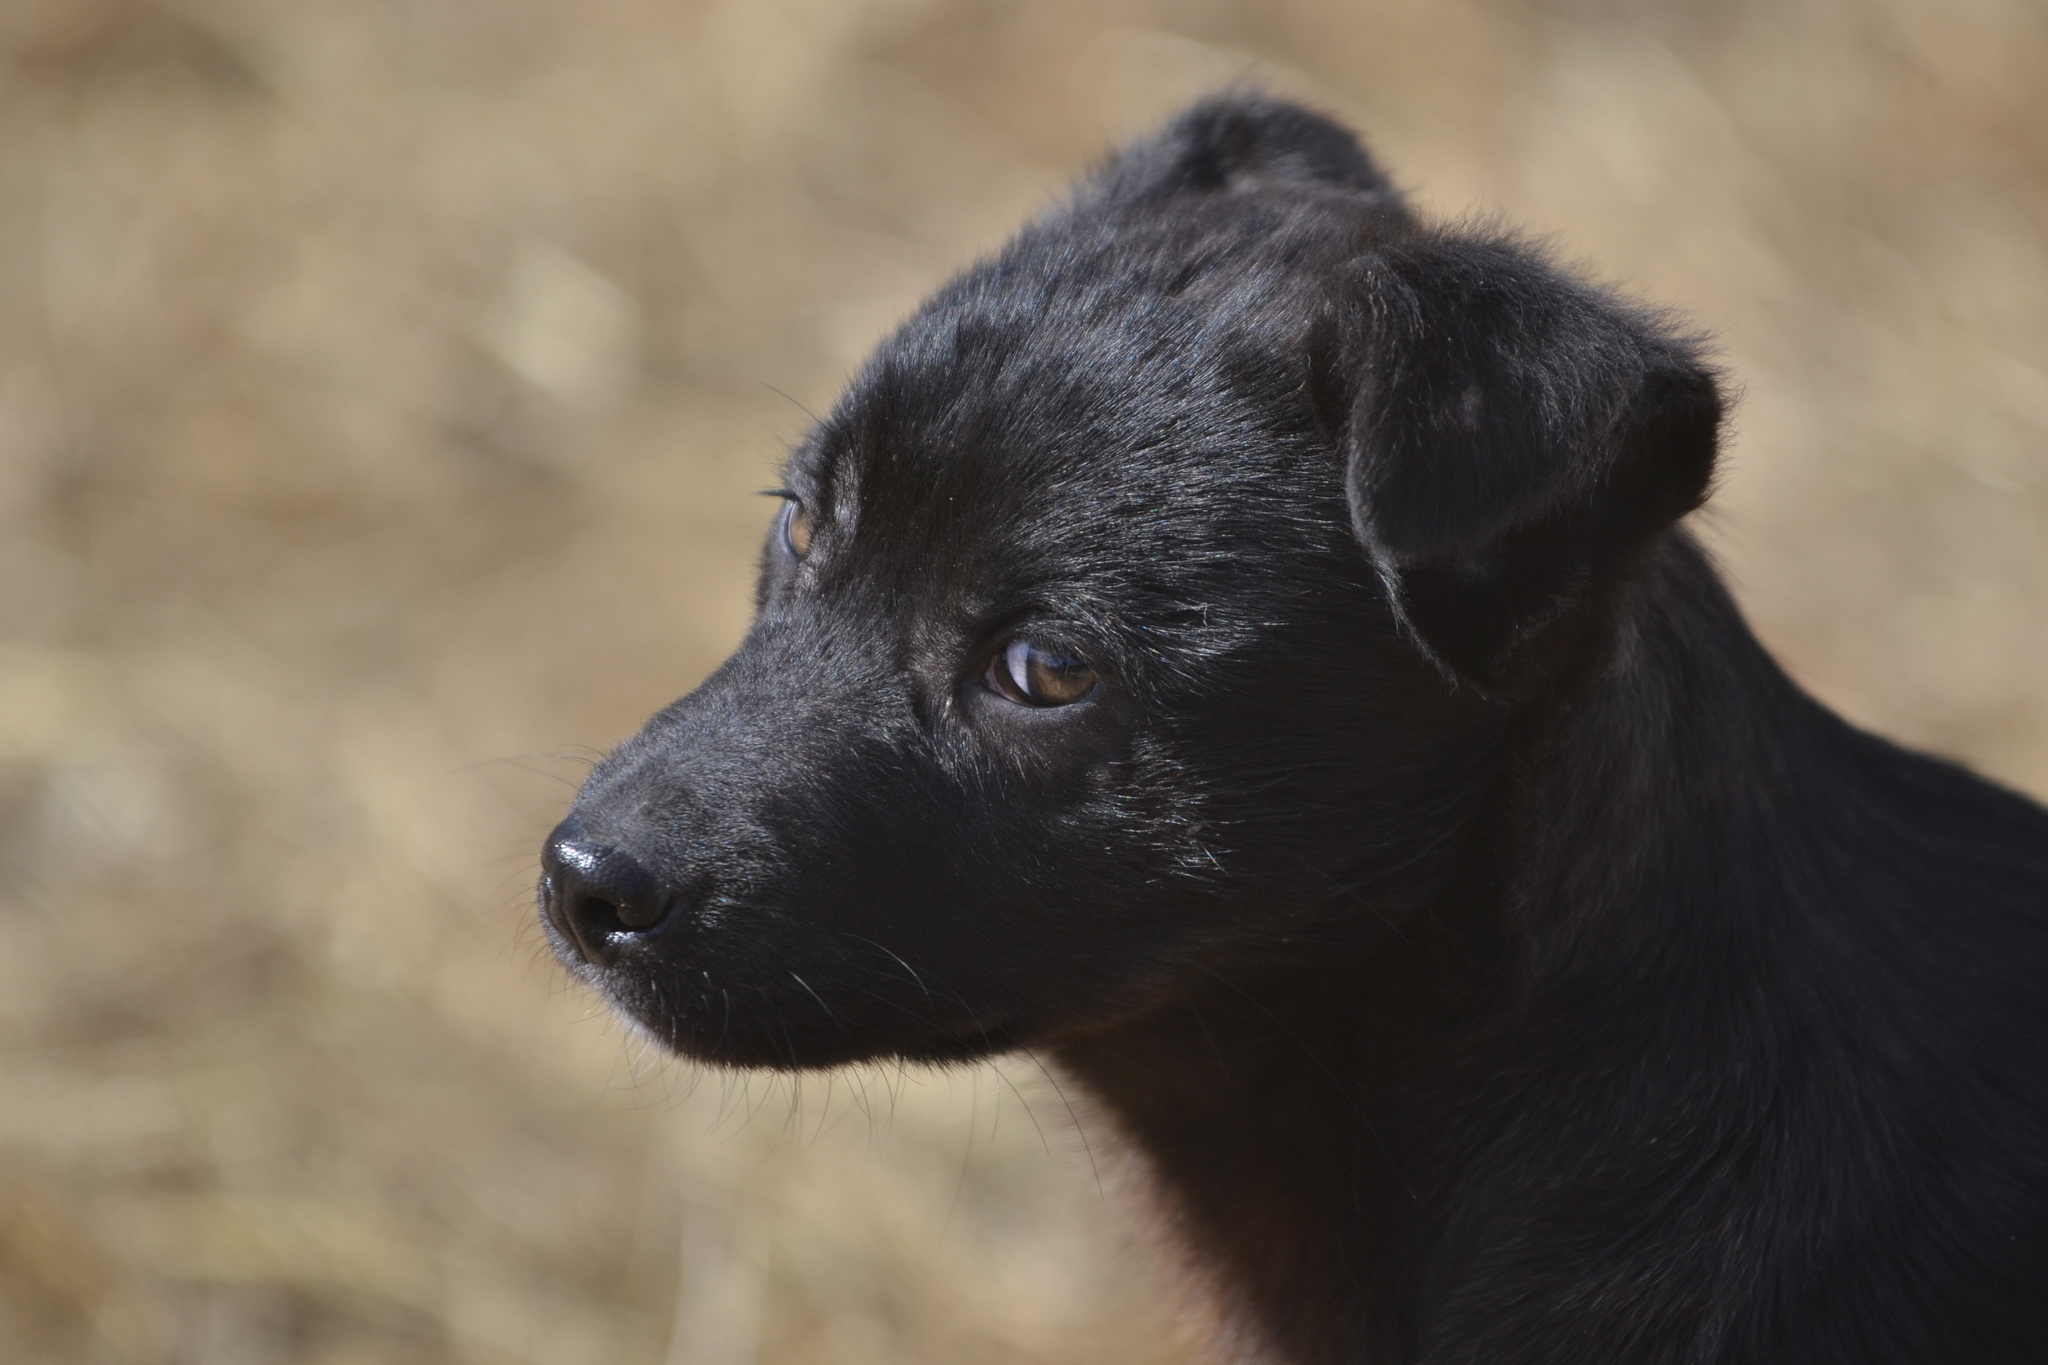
(796, 529)
(1032, 676)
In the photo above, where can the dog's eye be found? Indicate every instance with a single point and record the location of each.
(796, 528)
(1031, 676)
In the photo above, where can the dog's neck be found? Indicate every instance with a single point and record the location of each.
(1325, 1133)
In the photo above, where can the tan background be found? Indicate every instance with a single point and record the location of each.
(382, 388)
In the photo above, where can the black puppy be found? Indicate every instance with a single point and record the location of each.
(1237, 639)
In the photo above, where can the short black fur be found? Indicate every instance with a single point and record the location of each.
(1495, 956)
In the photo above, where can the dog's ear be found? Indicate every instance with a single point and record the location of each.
(1513, 436)
(1241, 140)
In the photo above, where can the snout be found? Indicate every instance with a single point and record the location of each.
(767, 874)
(598, 896)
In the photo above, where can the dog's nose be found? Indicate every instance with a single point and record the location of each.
(596, 893)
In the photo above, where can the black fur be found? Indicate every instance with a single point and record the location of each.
(1494, 954)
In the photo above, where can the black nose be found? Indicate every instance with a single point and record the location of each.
(595, 894)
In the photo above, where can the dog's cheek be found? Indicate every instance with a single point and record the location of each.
(986, 919)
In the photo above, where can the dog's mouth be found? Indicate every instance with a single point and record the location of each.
(751, 1029)
(725, 1006)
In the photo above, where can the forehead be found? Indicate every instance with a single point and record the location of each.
(1099, 381)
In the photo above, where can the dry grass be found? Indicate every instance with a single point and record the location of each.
(382, 387)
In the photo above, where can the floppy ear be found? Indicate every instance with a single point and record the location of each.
(1513, 438)
(1237, 140)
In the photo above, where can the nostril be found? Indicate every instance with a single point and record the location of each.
(611, 917)
(594, 892)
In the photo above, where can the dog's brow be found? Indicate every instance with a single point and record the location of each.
(831, 479)
(813, 471)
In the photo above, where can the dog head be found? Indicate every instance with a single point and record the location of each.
(1156, 595)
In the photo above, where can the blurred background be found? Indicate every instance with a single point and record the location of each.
(384, 385)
